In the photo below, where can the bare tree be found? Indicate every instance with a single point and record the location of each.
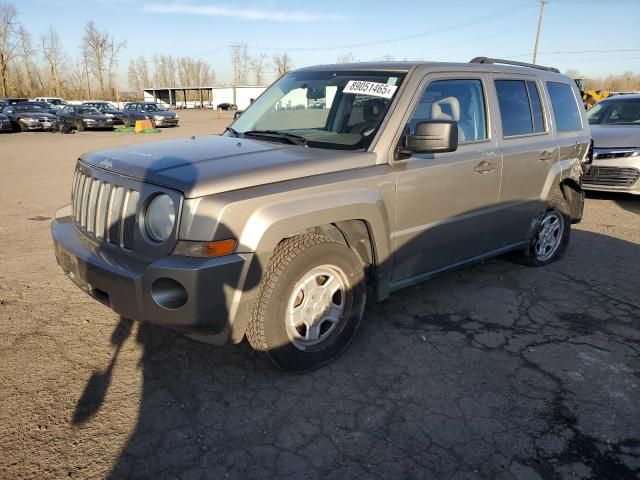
(8, 43)
(281, 63)
(54, 56)
(27, 53)
(101, 52)
(258, 66)
(346, 58)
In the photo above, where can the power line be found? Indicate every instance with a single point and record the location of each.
(405, 37)
(567, 52)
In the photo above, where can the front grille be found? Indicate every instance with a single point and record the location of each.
(612, 176)
(104, 210)
(613, 154)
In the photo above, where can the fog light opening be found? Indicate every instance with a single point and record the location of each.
(168, 293)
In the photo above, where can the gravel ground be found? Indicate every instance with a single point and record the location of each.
(496, 371)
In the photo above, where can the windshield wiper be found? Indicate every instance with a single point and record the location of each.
(292, 138)
(232, 130)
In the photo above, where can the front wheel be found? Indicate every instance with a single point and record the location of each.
(310, 303)
(80, 126)
(551, 237)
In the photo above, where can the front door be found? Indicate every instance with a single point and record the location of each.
(445, 201)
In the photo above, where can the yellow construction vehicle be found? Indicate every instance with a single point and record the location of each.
(590, 96)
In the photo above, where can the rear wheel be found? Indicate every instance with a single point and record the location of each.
(551, 237)
(310, 303)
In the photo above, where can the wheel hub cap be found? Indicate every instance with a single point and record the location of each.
(316, 306)
(549, 235)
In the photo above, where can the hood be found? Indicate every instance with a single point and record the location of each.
(615, 136)
(93, 116)
(46, 115)
(201, 166)
(162, 113)
(113, 112)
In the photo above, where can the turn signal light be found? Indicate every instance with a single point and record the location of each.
(219, 248)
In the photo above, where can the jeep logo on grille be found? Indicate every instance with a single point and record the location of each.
(106, 164)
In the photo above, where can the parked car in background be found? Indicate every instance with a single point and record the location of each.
(615, 126)
(159, 115)
(83, 117)
(5, 123)
(108, 109)
(27, 116)
(55, 101)
(281, 229)
(227, 106)
(5, 102)
(46, 106)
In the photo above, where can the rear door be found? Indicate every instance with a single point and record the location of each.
(445, 201)
(570, 132)
(529, 152)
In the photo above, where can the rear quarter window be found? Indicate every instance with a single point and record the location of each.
(565, 107)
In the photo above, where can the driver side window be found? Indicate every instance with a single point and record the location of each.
(460, 100)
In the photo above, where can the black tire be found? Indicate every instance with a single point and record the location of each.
(126, 122)
(22, 126)
(557, 209)
(80, 126)
(293, 259)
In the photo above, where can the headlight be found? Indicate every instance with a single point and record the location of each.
(160, 217)
(31, 120)
(88, 120)
(158, 117)
(109, 114)
(177, 116)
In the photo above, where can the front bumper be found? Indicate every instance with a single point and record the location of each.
(40, 126)
(613, 175)
(97, 125)
(166, 122)
(133, 288)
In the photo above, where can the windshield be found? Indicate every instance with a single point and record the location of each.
(612, 112)
(56, 101)
(152, 107)
(28, 108)
(88, 111)
(329, 109)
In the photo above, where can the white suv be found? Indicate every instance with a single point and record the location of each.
(55, 101)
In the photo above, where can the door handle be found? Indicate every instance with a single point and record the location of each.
(484, 167)
(546, 156)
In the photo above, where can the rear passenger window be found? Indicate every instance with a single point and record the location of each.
(536, 107)
(565, 107)
(458, 100)
(520, 107)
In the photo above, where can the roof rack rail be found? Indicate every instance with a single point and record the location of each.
(512, 62)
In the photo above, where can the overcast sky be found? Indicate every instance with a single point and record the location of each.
(574, 34)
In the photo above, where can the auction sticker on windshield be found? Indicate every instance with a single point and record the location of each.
(373, 89)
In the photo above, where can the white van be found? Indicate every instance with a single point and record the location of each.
(55, 101)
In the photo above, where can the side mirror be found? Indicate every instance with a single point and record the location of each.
(433, 136)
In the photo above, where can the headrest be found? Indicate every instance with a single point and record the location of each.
(446, 109)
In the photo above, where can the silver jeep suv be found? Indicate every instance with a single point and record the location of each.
(339, 182)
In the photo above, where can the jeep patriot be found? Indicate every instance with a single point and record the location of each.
(339, 183)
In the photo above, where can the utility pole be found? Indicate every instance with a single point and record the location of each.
(535, 49)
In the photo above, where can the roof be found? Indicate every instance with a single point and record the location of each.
(406, 66)
(622, 98)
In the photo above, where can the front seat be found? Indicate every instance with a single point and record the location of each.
(448, 108)
(372, 112)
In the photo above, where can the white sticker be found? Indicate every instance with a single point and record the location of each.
(373, 89)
